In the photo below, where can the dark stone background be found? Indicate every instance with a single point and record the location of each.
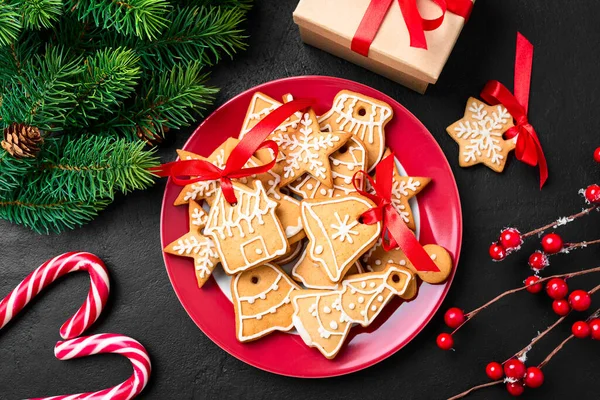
(186, 364)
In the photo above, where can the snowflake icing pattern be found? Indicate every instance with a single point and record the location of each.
(484, 133)
(304, 148)
(344, 229)
(400, 191)
(203, 250)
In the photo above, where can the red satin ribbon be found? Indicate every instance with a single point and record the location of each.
(528, 149)
(416, 25)
(393, 225)
(254, 140)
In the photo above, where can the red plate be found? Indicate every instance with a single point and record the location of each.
(286, 354)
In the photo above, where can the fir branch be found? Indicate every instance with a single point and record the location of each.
(109, 77)
(92, 168)
(244, 5)
(43, 214)
(142, 18)
(195, 34)
(38, 14)
(10, 24)
(12, 172)
(166, 100)
(44, 92)
(14, 56)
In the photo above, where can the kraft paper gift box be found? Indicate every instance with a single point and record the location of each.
(331, 24)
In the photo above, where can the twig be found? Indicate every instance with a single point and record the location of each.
(472, 314)
(474, 388)
(560, 221)
(572, 246)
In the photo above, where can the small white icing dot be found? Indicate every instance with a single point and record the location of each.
(319, 249)
(323, 191)
(351, 306)
(380, 298)
(333, 325)
(347, 180)
(286, 300)
(433, 256)
(402, 262)
(373, 308)
(351, 167)
(275, 287)
(309, 186)
(271, 182)
(262, 296)
(363, 284)
(377, 262)
(316, 265)
(299, 179)
(372, 284)
(259, 316)
(390, 261)
(326, 310)
(353, 291)
(363, 312)
(361, 299)
(251, 300)
(258, 251)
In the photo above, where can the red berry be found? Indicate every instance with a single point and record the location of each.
(535, 287)
(580, 300)
(561, 307)
(510, 238)
(497, 252)
(494, 371)
(534, 377)
(515, 388)
(444, 341)
(454, 317)
(595, 328)
(514, 368)
(552, 243)
(557, 288)
(592, 194)
(538, 261)
(597, 155)
(580, 329)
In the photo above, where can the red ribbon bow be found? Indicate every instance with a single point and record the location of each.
(529, 149)
(417, 25)
(393, 225)
(254, 140)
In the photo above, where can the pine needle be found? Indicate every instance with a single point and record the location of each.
(10, 24)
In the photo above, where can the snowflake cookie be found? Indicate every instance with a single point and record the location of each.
(307, 150)
(197, 246)
(323, 318)
(479, 135)
(261, 299)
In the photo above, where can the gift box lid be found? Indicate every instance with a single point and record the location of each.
(338, 20)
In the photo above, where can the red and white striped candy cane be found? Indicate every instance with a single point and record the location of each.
(107, 343)
(49, 272)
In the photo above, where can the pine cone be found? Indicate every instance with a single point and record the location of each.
(22, 141)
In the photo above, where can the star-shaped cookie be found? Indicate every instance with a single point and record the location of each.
(307, 150)
(479, 135)
(197, 246)
(403, 189)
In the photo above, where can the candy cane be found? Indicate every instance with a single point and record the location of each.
(85, 316)
(101, 344)
(49, 272)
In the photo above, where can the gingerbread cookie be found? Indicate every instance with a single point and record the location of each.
(207, 190)
(336, 237)
(310, 273)
(363, 116)
(307, 150)
(261, 298)
(197, 246)
(345, 162)
(479, 135)
(403, 189)
(291, 255)
(248, 233)
(260, 106)
(377, 259)
(324, 317)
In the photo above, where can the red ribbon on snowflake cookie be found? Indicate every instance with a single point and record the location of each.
(528, 149)
(416, 25)
(393, 226)
(254, 140)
